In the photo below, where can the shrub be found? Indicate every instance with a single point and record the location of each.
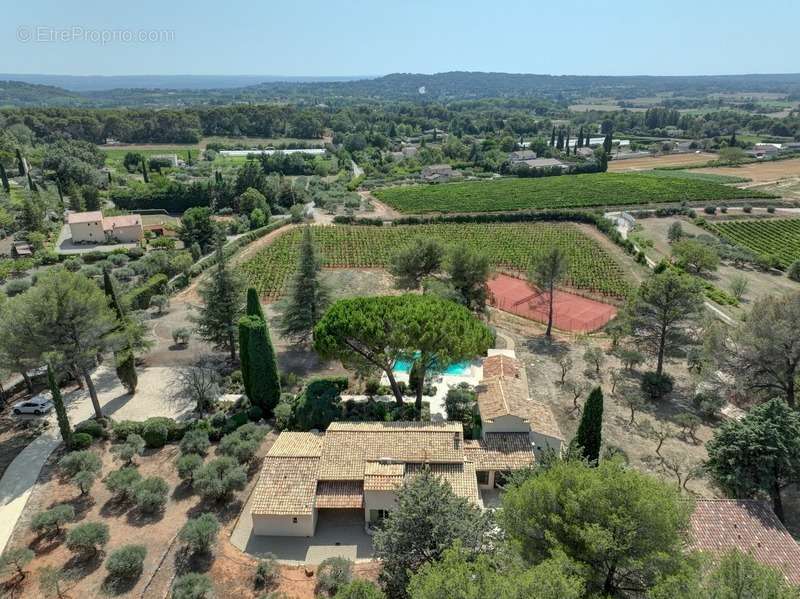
(88, 538)
(175, 430)
(747, 208)
(139, 298)
(122, 429)
(199, 534)
(333, 573)
(84, 480)
(255, 413)
(133, 446)
(181, 335)
(17, 286)
(372, 386)
(91, 427)
(708, 404)
(150, 494)
(49, 523)
(187, 466)
(122, 483)
(771, 209)
(192, 586)
(155, 433)
(656, 386)
(710, 209)
(243, 443)
(78, 461)
(80, 441)
(126, 562)
(359, 589)
(219, 478)
(284, 415)
(794, 271)
(266, 572)
(195, 441)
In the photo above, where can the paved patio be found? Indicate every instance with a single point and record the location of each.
(340, 533)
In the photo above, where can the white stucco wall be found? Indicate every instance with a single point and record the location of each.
(127, 234)
(541, 442)
(506, 424)
(283, 526)
(379, 500)
(91, 232)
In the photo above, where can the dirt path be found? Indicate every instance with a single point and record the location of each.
(382, 211)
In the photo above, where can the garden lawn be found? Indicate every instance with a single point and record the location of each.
(565, 191)
(511, 246)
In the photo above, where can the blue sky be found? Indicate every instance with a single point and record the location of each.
(348, 37)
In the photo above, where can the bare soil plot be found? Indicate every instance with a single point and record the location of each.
(757, 172)
(651, 162)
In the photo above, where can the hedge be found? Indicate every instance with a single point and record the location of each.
(139, 297)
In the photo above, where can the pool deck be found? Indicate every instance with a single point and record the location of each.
(442, 382)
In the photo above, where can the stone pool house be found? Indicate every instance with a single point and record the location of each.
(359, 466)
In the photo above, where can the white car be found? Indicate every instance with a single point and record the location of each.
(37, 405)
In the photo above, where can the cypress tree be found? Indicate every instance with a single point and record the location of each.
(32, 185)
(590, 430)
(588, 140)
(308, 297)
(553, 138)
(21, 164)
(607, 143)
(144, 171)
(60, 193)
(123, 357)
(580, 138)
(259, 366)
(61, 410)
(245, 323)
(732, 142)
(4, 177)
(254, 304)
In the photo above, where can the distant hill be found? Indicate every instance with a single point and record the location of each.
(452, 86)
(18, 93)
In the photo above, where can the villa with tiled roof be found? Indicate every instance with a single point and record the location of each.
(362, 465)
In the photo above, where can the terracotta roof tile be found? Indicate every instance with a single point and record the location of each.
(383, 476)
(125, 220)
(85, 217)
(461, 478)
(349, 445)
(500, 365)
(719, 525)
(286, 486)
(308, 445)
(500, 451)
(340, 494)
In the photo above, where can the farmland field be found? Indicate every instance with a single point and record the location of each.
(566, 191)
(512, 246)
(774, 237)
(648, 162)
(695, 176)
(759, 172)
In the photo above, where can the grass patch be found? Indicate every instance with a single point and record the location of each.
(566, 191)
(514, 246)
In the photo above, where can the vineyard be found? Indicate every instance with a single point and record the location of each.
(566, 191)
(775, 237)
(509, 246)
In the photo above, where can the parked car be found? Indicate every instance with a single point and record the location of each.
(38, 405)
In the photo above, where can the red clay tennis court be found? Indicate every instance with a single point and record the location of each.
(571, 312)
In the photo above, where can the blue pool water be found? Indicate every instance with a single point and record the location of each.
(458, 369)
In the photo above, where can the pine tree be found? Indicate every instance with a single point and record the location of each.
(61, 410)
(222, 303)
(553, 138)
(123, 357)
(254, 304)
(308, 297)
(262, 381)
(4, 178)
(590, 430)
(144, 171)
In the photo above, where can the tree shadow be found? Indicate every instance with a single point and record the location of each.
(80, 503)
(138, 518)
(44, 544)
(119, 586)
(115, 507)
(225, 511)
(540, 344)
(182, 491)
(186, 561)
(79, 566)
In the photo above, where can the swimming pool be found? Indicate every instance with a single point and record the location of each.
(457, 369)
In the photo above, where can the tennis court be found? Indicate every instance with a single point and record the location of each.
(571, 312)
